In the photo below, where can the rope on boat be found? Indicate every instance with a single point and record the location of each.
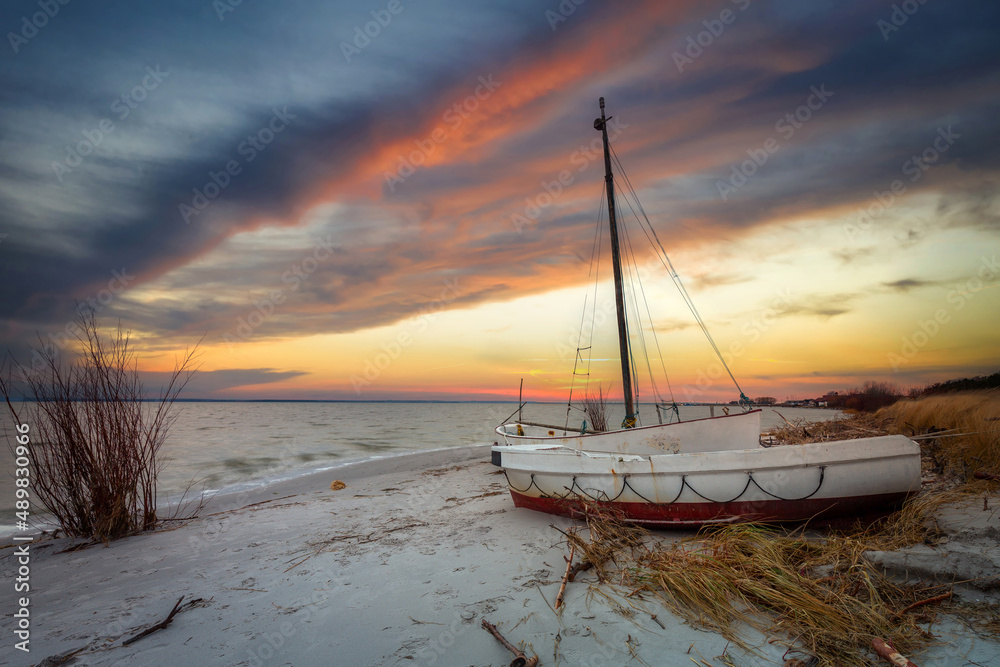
(676, 498)
(525, 489)
(684, 483)
(582, 491)
(822, 476)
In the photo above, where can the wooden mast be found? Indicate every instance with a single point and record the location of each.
(601, 124)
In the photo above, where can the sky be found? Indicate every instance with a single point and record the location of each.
(398, 200)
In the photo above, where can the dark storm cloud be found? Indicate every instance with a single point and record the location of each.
(120, 211)
(891, 98)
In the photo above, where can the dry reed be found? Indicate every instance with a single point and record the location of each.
(968, 423)
(959, 433)
(595, 406)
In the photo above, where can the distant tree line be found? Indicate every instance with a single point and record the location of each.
(965, 384)
(872, 396)
(869, 397)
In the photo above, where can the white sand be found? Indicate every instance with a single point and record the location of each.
(399, 568)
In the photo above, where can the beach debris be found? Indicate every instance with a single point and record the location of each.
(582, 566)
(986, 475)
(519, 658)
(921, 603)
(78, 547)
(159, 626)
(818, 592)
(257, 504)
(61, 659)
(337, 485)
(362, 538)
(569, 567)
(416, 622)
(889, 653)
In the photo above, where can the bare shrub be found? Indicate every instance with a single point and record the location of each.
(870, 397)
(95, 440)
(596, 409)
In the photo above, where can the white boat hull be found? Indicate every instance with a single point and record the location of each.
(781, 483)
(736, 431)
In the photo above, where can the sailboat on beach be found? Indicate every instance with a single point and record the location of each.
(694, 472)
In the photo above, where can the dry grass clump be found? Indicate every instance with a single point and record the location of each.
(959, 433)
(862, 425)
(595, 406)
(968, 423)
(612, 540)
(817, 594)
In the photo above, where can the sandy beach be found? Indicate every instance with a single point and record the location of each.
(398, 568)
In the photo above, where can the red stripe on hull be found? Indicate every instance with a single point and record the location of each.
(686, 515)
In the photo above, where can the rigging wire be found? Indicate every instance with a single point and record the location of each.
(665, 260)
(595, 263)
(649, 314)
(633, 265)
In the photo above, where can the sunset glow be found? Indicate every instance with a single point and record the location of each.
(417, 217)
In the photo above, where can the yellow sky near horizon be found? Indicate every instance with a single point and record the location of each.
(793, 310)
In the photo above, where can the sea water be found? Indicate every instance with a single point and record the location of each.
(236, 445)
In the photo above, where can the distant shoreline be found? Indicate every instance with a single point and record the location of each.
(428, 401)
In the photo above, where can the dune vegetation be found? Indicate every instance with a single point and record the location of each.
(811, 588)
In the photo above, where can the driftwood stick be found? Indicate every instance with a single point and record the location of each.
(889, 653)
(519, 659)
(582, 566)
(986, 475)
(159, 626)
(562, 586)
(783, 417)
(921, 603)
